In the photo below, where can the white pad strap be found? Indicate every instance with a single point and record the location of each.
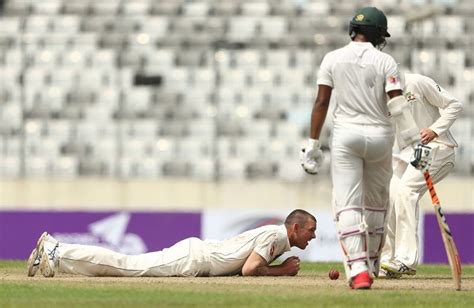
(401, 112)
(366, 229)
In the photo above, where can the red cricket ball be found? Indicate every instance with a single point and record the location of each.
(334, 274)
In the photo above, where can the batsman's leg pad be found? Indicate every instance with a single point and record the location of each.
(361, 234)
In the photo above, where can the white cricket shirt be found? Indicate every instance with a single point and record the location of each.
(227, 257)
(426, 98)
(360, 76)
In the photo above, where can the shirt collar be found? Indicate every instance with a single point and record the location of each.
(283, 229)
(360, 47)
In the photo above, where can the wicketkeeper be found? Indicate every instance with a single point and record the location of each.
(426, 98)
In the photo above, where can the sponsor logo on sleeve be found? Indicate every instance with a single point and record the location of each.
(393, 79)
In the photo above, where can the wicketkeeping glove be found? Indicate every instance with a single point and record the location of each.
(422, 157)
(311, 156)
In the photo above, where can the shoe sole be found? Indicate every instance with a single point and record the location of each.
(362, 286)
(44, 267)
(396, 274)
(37, 251)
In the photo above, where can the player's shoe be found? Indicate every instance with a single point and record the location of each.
(384, 274)
(361, 281)
(397, 268)
(49, 257)
(35, 255)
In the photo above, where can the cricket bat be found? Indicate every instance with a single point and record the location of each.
(449, 245)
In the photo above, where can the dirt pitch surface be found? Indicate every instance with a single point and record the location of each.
(304, 281)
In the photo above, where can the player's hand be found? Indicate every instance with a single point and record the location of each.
(422, 157)
(291, 266)
(427, 135)
(311, 156)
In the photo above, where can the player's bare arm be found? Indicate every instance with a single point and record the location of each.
(394, 93)
(320, 110)
(256, 265)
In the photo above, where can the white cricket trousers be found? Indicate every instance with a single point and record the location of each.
(406, 189)
(186, 258)
(361, 168)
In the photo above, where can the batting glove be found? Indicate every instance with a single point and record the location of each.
(422, 157)
(311, 156)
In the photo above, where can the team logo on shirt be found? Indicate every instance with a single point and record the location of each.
(359, 17)
(411, 98)
(393, 79)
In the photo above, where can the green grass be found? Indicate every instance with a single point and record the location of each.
(431, 287)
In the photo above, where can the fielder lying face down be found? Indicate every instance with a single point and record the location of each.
(248, 254)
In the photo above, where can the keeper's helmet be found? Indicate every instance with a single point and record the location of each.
(372, 23)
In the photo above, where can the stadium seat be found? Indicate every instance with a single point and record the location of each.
(198, 8)
(276, 58)
(234, 77)
(423, 61)
(167, 7)
(11, 117)
(231, 169)
(225, 8)
(70, 24)
(13, 58)
(194, 148)
(12, 146)
(10, 167)
(248, 149)
(156, 25)
(103, 58)
(45, 58)
(263, 78)
(255, 8)
(16, 8)
(76, 7)
(145, 129)
(136, 100)
(10, 24)
(135, 148)
(65, 167)
(106, 8)
(75, 58)
(247, 59)
(160, 59)
(203, 169)
(397, 25)
(253, 99)
(61, 130)
(303, 58)
(204, 79)
(37, 24)
(46, 7)
(165, 148)
(37, 167)
(260, 130)
(136, 7)
(287, 171)
(317, 8)
(242, 29)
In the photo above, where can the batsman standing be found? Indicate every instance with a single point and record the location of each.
(361, 76)
(400, 254)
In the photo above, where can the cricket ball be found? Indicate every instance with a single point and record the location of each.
(334, 274)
